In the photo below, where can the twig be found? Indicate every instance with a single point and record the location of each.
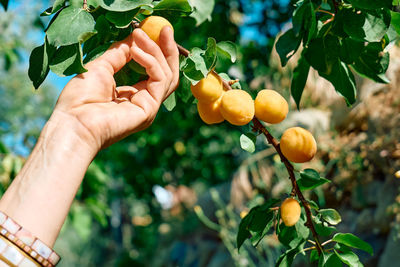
(306, 249)
(292, 177)
(336, 5)
(327, 242)
(85, 4)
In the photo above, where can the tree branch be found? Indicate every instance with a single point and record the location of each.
(261, 129)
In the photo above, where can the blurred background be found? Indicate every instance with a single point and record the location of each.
(173, 194)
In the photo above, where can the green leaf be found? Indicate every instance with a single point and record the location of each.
(136, 67)
(227, 49)
(333, 261)
(350, 50)
(243, 232)
(322, 228)
(331, 216)
(210, 55)
(302, 230)
(202, 10)
(175, 6)
(39, 63)
(170, 102)
(343, 80)
(95, 53)
(310, 179)
(314, 255)
(123, 5)
(369, 26)
(368, 4)
(71, 26)
(286, 259)
(299, 80)
(199, 62)
(256, 220)
(58, 4)
(68, 60)
(323, 53)
(247, 142)
(373, 63)
(287, 46)
(310, 174)
(288, 236)
(183, 92)
(4, 3)
(121, 19)
(348, 257)
(258, 236)
(353, 241)
(395, 21)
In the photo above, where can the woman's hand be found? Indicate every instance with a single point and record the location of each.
(106, 113)
(91, 113)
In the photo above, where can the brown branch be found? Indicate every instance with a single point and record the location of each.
(258, 125)
(261, 129)
(336, 5)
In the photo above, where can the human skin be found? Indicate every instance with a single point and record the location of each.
(91, 113)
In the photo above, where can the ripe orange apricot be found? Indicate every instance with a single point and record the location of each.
(153, 25)
(237, 107)
(270, 106)
(210, 112)
(208, 89)
(290, 211)
(298, 145)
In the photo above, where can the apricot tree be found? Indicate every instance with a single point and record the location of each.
(338, 38)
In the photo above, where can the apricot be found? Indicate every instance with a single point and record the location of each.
(210, 112)
(298, 145)
(153, 25)
(270, 106)
(208, 89)
(290, 211)
(237, 107)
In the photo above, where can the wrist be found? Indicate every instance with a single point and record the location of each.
(70, 135)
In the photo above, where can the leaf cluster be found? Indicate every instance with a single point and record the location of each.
(79, 33)
(336, 249)
(338, 38)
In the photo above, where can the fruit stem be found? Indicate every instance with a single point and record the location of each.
(85, 4)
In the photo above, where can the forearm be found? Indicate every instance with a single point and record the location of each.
(40, 196)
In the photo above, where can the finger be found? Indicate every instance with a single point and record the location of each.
(171, 53)
(153, 68)
(143, 41)
(115, 57)
(125, 92)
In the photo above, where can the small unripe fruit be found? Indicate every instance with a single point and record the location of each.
(153, 25)
(208, 89)
(210, 112)
(298, 145)
(270, 106)
(290, 211)
(237, 107)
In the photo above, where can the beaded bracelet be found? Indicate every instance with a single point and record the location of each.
(11, 255)
(25, 241)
